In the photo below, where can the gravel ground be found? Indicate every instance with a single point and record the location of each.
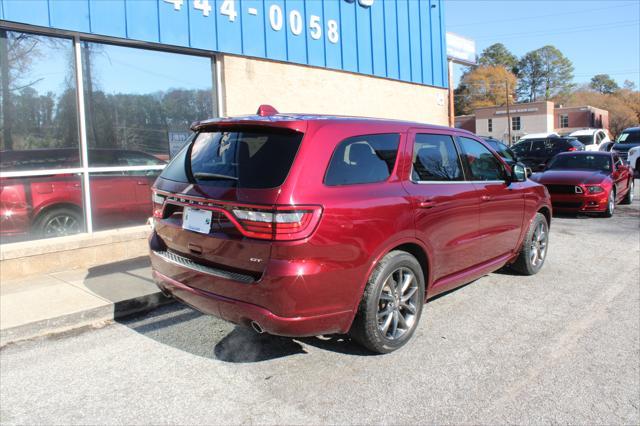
(559, 347)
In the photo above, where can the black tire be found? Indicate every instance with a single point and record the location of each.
(59, 222)
(611, 204)
(628, 199)
(526, 263)
(367, 329)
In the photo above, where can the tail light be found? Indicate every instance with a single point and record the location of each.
(284, 223)
(158, 203)
(572, 148)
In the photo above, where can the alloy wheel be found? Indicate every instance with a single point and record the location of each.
(539, 244)
(61, 225)
(398, 304)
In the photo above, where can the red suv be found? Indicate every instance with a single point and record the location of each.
(302, 225)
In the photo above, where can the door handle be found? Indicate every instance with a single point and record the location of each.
(486, 198)
(141, 182)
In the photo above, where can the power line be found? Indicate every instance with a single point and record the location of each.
(574, 12)
(570, 30)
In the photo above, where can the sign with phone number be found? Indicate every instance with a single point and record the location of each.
(400, 39)
(397, 39)
(276, 17)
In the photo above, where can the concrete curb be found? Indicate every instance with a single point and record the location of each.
(89, 317)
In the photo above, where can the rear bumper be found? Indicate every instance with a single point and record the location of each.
(244, 313)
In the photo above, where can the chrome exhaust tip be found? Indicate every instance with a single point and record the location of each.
(256, 327)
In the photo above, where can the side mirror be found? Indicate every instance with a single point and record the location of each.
(519, 173)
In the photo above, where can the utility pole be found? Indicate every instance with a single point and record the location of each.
(508, 114)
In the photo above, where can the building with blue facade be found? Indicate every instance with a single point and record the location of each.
(97, 95)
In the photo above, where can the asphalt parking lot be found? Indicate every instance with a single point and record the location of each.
(559, 347)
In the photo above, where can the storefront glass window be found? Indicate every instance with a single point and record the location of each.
(38, 119)
(142, 100)
(138, 104)
(35, 207)
(120, 199)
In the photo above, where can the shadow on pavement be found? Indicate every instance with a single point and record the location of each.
(186, 329)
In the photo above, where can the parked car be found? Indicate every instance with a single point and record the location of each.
(49, 206)
(606, 146)
(503, 150)
(536, 153)
(302, 225)
(592, 139)
(627, 146)
(588, 182)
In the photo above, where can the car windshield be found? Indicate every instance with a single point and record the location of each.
(581, 162)
(629, 137)
(239, 158)
(585, 139)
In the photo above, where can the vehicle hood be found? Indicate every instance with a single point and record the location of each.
(569, 177)
(624, 147)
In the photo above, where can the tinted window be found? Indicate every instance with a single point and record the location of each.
(581, 162)
(244, 159)
(435, 158)
(587, 139)
(540, 147)
(501, 149)
(521, 148)
(481, 162)
(629, 137)
(363, 159)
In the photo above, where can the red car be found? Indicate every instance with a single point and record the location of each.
(302, 225)
(50, 206)
(587, 182)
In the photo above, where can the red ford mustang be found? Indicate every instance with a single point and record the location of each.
(587, 181)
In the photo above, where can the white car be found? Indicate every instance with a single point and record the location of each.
(634, 159)
(591, 138)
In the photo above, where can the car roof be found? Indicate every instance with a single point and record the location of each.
(539, 135)
(584, 132)
(631, 130)
(600, 153)
(286, 119)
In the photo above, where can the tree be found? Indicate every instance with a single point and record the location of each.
(629, 85)
(621, 114)
(486, 86)
(544, 73)
(603, 83)
(498, 55)
(530, 76)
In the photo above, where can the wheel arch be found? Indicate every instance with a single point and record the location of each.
(46, 209)
(546, 212)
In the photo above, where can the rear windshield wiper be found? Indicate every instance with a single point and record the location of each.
(213, 176)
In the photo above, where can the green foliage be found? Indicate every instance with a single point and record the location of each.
(604, 84)
(544, 73)
(498, 55)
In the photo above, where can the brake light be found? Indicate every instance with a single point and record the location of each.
(284, 223)
(158, 204)
(572, 148)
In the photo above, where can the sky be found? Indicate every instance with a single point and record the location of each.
(599, 37)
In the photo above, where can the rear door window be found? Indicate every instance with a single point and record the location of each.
(435, 158)
(363, 159)
(243, 158)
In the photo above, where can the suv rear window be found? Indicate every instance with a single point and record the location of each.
(363, 159)
(243, 158)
